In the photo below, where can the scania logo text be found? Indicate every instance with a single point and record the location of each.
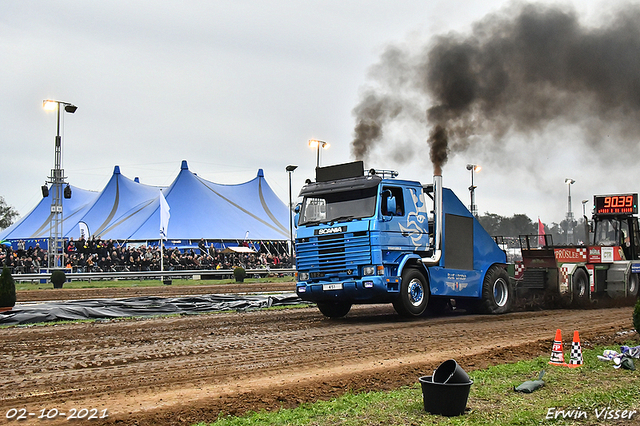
(330, 230)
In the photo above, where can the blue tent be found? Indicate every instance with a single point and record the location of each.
(120, 209)
(128, 210)
(35, 225)
(203, 209)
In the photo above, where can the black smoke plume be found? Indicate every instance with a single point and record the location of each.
(518, 71)
(374, 112)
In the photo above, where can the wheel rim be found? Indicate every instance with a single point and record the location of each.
(581, 288)
(416, 292)
(500, 292)
(633, 284)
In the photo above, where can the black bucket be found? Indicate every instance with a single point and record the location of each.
(450, 372)
(447, 399)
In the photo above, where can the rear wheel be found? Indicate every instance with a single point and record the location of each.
(414, 294)
(334, 310)
(580, 287)
(497, 292)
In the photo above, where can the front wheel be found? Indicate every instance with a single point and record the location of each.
(334, 310)
(414, 294)
(497, 292)
(580, 284)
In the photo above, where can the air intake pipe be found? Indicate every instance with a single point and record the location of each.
(437, 207)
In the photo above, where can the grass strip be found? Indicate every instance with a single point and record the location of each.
(123, 283)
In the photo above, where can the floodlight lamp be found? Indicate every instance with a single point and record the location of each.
(569, 181)
(49, 105)
(70, 108)
(315, 143)
(291, 168)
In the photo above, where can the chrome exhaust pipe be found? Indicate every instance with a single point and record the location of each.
(437, 201)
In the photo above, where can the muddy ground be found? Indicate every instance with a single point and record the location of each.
(181, 370)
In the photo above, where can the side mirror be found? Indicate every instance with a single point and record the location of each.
(391, 206)
(296, 217)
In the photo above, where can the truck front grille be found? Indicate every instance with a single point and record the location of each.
(334, 254)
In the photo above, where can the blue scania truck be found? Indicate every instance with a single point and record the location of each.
(365, 238)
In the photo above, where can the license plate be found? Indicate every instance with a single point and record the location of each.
(336, 286)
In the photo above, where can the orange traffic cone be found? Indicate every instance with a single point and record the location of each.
(575, 360)
(557, 357)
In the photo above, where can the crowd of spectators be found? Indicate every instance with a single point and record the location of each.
(96, 255)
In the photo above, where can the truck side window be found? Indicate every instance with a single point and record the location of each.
(314, 209)
(395, 193)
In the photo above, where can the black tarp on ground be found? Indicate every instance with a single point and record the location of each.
(140, 306)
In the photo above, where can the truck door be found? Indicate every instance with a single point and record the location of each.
(392, 213)
(634, 239)
(404, 219)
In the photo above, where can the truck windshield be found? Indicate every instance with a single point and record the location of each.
(338, 206)
(612, 232)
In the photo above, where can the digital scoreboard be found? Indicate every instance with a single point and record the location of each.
(616, 204)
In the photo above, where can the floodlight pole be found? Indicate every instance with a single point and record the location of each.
(55, 254)
(290, 170)
(569, 182)
(472, 189)
(317, 144)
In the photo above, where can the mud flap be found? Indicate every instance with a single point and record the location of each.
(617, 279)
(566, 275)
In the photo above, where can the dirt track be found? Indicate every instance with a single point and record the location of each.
(181, 370)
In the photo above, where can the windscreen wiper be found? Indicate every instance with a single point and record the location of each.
(342, 219)
(311, 223)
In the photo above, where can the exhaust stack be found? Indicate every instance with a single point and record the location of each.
(437, 201)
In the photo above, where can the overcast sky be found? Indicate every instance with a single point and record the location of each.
(237, 86)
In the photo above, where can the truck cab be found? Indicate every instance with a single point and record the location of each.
(373, 238)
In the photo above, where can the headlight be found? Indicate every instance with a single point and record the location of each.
(303, 276)
(368, 270)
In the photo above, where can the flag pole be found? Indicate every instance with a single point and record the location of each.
(542, 242)
(164, 225)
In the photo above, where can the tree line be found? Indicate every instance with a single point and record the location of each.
(7, 214)
(520, 224)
